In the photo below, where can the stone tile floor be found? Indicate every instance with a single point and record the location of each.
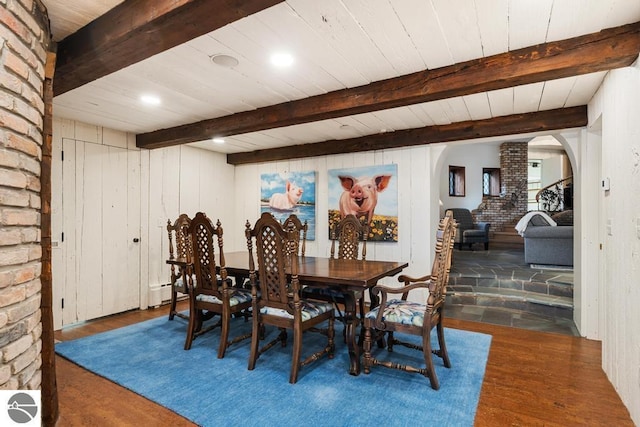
(507, 263)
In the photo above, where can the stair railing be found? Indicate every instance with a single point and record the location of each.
(552, 196)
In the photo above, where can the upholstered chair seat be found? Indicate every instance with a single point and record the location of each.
(309, 310)
(399, 311)
(181, 286)
(239, 296)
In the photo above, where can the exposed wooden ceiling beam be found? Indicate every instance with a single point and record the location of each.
(138, 29)
(564, 118)
(605, 50)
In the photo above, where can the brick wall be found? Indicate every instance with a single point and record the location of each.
(507, 210)
(24, 37)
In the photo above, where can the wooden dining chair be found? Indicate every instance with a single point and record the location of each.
(179, 249)
(349, 233)
(276, 297)
(298, 245)
(406, 317)
(211, 291)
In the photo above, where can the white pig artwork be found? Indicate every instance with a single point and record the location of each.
(290, 193)
(288, 200)
(360, 195)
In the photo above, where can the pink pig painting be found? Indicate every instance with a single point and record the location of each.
(360, 195)
(287, 200)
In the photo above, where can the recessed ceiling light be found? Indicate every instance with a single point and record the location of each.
(218, 140)
(282, 59)
(150, 99)
(227, 61)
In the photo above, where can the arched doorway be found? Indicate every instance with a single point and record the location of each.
(507, 275)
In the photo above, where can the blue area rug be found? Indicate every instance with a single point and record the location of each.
(148, 358)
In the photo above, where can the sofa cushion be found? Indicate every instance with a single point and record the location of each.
(538, 220)
(549, 232)
(564, 217)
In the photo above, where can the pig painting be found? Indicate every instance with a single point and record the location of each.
(371, 194)
(284, 193)
(287, 200)
(360, 195)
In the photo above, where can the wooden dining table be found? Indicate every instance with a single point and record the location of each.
(348, 276)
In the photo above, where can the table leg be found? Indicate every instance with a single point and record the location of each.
(375, 301)
(351, 321)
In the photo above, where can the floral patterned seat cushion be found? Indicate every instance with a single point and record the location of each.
(309, 310)
(240, 296)
(398, 311)
(180, 281)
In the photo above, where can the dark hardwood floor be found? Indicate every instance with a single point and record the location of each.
(532, 379)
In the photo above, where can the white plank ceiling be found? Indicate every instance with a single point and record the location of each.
(336, 44)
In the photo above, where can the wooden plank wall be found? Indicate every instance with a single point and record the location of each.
(416, 193)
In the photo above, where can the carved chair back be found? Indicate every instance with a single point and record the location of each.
(179, 243)
(445, 238)
(271, 241)
(348, 233)
(202, 233)
(178, 234)
(299, 245)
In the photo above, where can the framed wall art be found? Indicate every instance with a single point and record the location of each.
(370, 193)
(284, 194)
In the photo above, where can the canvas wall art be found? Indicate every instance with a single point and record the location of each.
(370, 193)
(284, 194)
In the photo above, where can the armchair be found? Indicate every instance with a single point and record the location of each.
(468, 232)
(179, 249)
(405, 317)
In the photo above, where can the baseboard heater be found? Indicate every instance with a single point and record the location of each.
(159, 294)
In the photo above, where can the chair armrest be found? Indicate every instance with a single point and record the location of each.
(391, 290)
(404, 290)
(483, 226)
(408, 279)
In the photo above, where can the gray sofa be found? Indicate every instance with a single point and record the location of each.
(546, 244)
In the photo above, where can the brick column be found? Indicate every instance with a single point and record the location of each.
(24, 40)
(500, 211)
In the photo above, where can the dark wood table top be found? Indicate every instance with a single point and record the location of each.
(311, 269)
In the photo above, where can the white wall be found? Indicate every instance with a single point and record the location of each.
(417, 204)
(172, 181)
(618, 105)
(180, 180)
(474, 157)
